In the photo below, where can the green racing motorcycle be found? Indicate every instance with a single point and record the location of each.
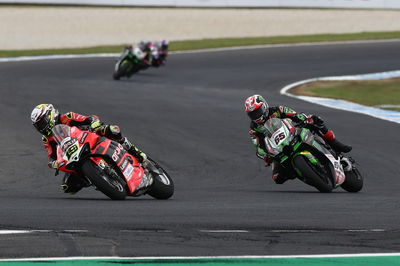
(305, 155)
(127, 64)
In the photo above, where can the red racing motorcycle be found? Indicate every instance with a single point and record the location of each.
(106, 165)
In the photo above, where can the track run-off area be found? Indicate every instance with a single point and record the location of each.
(189, 116)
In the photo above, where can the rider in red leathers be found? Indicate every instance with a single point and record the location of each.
(44, 117)
(259, 112)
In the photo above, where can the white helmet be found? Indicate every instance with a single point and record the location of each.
(44, 118)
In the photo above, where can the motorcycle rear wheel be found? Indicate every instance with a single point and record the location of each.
(115, 189)
(163, 186)
(312, 177)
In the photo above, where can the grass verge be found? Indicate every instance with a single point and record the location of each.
(216, 43)
(378, 93)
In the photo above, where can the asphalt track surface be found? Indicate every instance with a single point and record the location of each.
(189, 116)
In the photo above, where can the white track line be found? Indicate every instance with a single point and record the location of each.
(211, 257)
(13, 232)
(224, 231)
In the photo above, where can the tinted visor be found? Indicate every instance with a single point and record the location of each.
(42, 124)
(256, 114)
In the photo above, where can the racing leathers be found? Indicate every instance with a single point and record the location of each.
(257, 134)
(72, 183)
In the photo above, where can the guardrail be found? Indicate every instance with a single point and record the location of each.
(380, 4)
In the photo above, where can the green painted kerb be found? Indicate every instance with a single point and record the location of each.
(326, 261)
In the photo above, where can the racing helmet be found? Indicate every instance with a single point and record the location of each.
(257, 108)
(44, 118)
(145, 46)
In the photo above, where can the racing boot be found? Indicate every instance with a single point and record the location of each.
(339, 147)
(279, 175)
(73, 183)
(133, 150)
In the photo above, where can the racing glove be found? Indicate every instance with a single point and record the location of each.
(53, 164)
(264, 156)
(95, 125)
(314, 120)
(317, 120)
(268, 161)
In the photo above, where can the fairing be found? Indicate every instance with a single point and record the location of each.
(75, 145)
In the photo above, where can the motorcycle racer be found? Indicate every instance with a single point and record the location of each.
(259, 112)
(143, 51)
(149, 53)
(44, 117)
(160, 51)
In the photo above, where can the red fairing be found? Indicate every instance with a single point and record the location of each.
(329, 136)
(131, 169)
(83, 137)
(133, 173)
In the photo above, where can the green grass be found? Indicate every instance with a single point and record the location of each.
(216, 43)
(371, 93)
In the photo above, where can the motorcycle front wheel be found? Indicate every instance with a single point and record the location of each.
(163, 186)
(113, 187)
(122, 70)
(354, 181)
(312, 176)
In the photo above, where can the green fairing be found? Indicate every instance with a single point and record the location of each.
(309, 156)
(302, 117)
(288, 110)
(296, 146)
(316, 145)
(261, 152)
(284, 158)
(260, 129)
(304, 133)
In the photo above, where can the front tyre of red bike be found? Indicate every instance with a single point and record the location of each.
(163, 186)
(112, 186)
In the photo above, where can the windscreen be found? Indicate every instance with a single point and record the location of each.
(273, 125)
(61, 132)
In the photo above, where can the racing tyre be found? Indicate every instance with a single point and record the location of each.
(313, 176)
(114, 188)
(163, 186)
(122, 70)
(353, 182)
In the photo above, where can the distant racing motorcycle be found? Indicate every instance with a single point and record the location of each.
(130, 62)
(306, 156)
(140, 57)
(107, 166)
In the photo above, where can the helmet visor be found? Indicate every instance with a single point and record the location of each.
(257, 114)
(44, 125)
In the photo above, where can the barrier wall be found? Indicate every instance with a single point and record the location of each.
(385, 4)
